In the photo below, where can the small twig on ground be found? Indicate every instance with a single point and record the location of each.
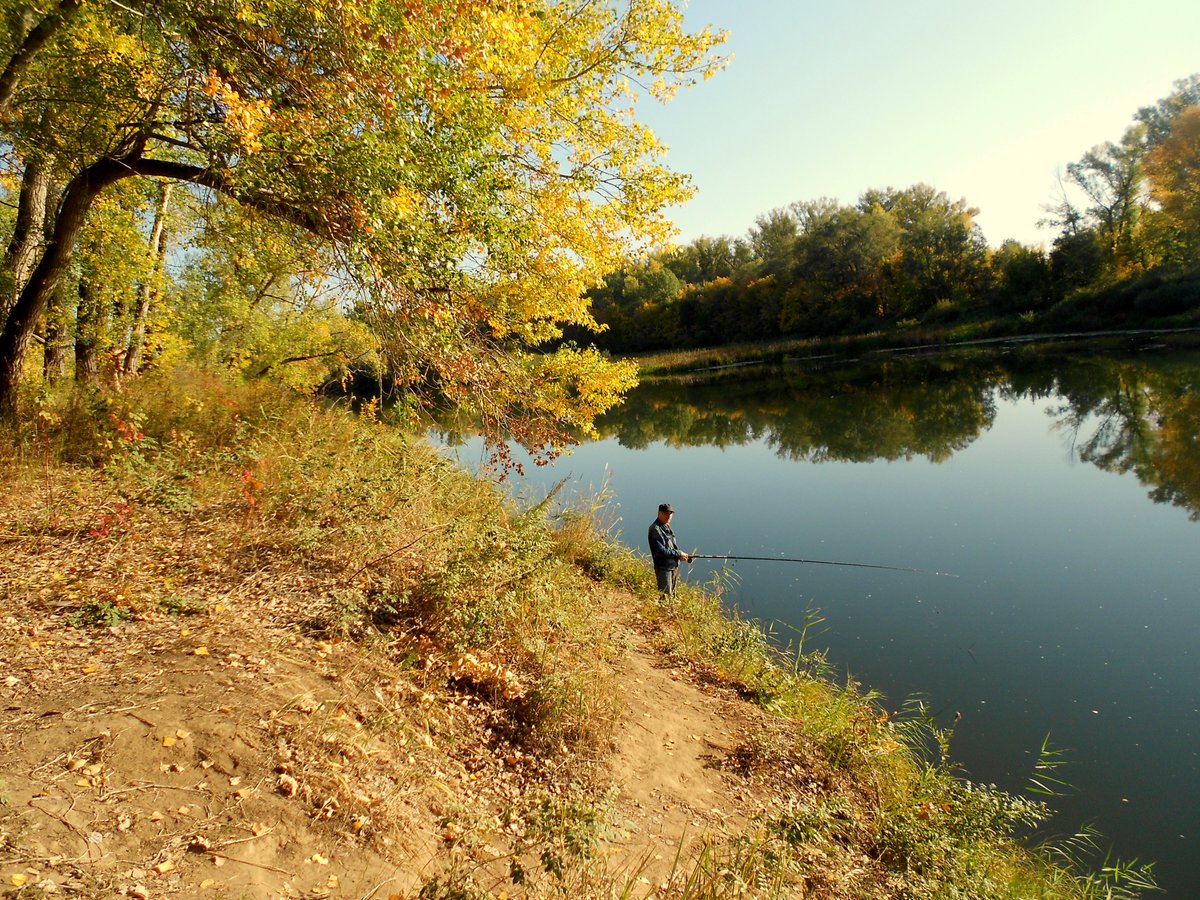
(62, 818)
(141, 719)
(246, 862)
(143, 785)
(252, 837)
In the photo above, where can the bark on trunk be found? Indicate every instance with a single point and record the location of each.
(31, 302)
(54, 354)
(28, 232)
(87, 333)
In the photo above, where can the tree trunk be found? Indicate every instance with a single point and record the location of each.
(33, 298)
(28, 232)
(87, 335)
(54, 355)
(137, 336)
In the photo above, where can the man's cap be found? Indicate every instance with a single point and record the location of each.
(666, 507)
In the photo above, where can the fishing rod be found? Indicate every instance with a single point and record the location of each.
(815, 562)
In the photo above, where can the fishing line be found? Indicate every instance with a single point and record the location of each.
(817, 562)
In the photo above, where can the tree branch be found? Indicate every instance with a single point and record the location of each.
(294, 359)
(206, 176)
(37, 38)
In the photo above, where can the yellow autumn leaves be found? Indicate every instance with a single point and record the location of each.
(244, 117)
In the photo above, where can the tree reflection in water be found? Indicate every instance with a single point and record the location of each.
(1121, 412)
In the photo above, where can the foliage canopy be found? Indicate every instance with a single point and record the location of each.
(466, 169)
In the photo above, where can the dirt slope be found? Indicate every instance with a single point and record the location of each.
(231, 753)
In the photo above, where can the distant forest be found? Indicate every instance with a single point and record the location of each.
(1127, 252)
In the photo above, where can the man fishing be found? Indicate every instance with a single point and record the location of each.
(665, 551)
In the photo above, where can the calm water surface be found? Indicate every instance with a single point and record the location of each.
(1062, 488)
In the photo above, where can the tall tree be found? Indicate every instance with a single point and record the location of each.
(150, 287)
(943, 254)
(1173, 167)
(1160, 117)
(1023, 277)
(844, 262)
(1110, 180)
(707, 259)
(773, 240)
(109, 264)
(59, 318)
(474, 165)
(28, 232)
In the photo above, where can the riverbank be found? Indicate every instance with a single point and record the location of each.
(815, 351)
(254, 648)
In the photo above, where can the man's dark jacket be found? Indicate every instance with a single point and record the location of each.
(663, 548)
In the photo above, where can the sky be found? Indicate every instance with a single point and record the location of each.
(985, 101)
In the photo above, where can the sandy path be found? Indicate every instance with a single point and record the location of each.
(670, 763)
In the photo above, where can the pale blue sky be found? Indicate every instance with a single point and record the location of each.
(985, 101)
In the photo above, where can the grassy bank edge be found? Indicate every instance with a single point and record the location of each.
(802, 351)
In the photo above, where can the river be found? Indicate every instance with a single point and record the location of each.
(1060, 485)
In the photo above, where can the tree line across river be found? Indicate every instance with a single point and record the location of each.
(1125, 254)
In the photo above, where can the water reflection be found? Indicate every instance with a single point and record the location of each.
(1137, 414)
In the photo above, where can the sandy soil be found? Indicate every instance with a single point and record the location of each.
(231, 753)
